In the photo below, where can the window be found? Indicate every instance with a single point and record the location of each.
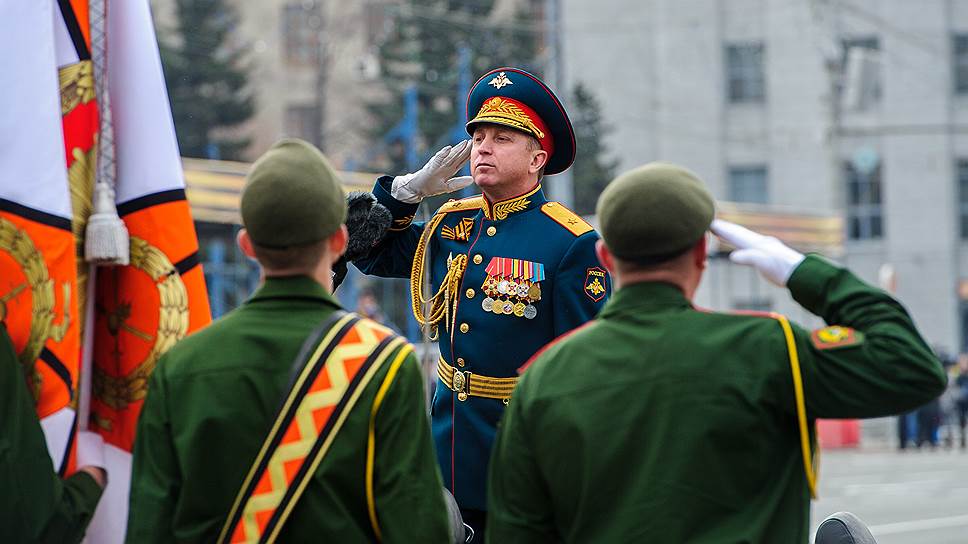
(864, 215)
(303, 122)
(745, 82)
(748, 184)
(862, 72)
(301, 27)
(376, 23)
(960, 53)
(962, 173)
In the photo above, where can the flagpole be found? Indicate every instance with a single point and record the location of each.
(106, 237)
(85, 382)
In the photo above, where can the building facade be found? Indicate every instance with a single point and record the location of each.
(313, 68)
(848, 110)
(309, 63)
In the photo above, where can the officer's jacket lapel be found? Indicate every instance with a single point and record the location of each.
(502, 209)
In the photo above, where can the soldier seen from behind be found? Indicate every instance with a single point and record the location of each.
(288, 419)
(662, 422)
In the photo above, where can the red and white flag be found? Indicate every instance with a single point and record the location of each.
(46, 153)
(49, 138)
(144, 308)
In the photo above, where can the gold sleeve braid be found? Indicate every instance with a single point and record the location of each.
(446, 296)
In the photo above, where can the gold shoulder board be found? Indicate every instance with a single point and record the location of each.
(464, 204)
(566, 218)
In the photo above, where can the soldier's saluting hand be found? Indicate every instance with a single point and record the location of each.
(435, 176)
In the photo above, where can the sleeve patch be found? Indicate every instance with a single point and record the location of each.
(836, 336)
(460, 232)
(595, 283)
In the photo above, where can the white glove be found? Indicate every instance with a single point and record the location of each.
(90, 449)
(435, 177)
(770, 256)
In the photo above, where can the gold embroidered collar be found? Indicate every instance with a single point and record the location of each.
(502, 209)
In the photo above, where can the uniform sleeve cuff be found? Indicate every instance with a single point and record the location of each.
(809, 281)
(87, 487)
(402, 212)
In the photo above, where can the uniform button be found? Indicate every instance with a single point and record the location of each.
(491, 231)
(460, 361)
(478, 259)
(464, 327)
(470, 293)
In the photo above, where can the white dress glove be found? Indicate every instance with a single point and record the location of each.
(435, 176)
(770, 256)
(90, 449)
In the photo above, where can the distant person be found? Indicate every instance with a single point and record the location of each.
(368, 307)
(961, 397)
(661, 422)
(929, 422)
(288, 417)
(931, 415)
(36, 505)
(907, 426)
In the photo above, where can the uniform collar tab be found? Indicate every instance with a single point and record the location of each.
(501, 209)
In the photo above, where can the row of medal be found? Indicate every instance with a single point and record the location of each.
(500, 294)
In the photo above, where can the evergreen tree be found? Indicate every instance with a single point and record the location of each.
(422, 49)
(592, 169)
(206, 77)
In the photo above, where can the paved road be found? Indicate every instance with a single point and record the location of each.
(918, 497)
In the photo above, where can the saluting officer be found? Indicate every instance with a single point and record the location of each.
(661, 422)
(509, 270)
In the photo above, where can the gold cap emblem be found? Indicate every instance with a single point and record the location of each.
(500, 80)
(505, 112)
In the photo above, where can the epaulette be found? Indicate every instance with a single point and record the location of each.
(566, 218)
(464, 204)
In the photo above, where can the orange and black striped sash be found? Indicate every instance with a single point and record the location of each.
(342, 357)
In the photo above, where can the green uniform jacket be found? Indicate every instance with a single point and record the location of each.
(35, 504)
(679, 425)
(211, 401)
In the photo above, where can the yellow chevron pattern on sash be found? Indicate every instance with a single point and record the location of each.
(308, 435)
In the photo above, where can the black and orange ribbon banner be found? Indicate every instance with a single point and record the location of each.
(336, 364)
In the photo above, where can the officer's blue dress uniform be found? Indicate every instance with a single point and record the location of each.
(552, 282)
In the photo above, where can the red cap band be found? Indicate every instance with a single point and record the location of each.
(513, 113)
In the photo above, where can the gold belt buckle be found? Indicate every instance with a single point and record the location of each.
(461, 384)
